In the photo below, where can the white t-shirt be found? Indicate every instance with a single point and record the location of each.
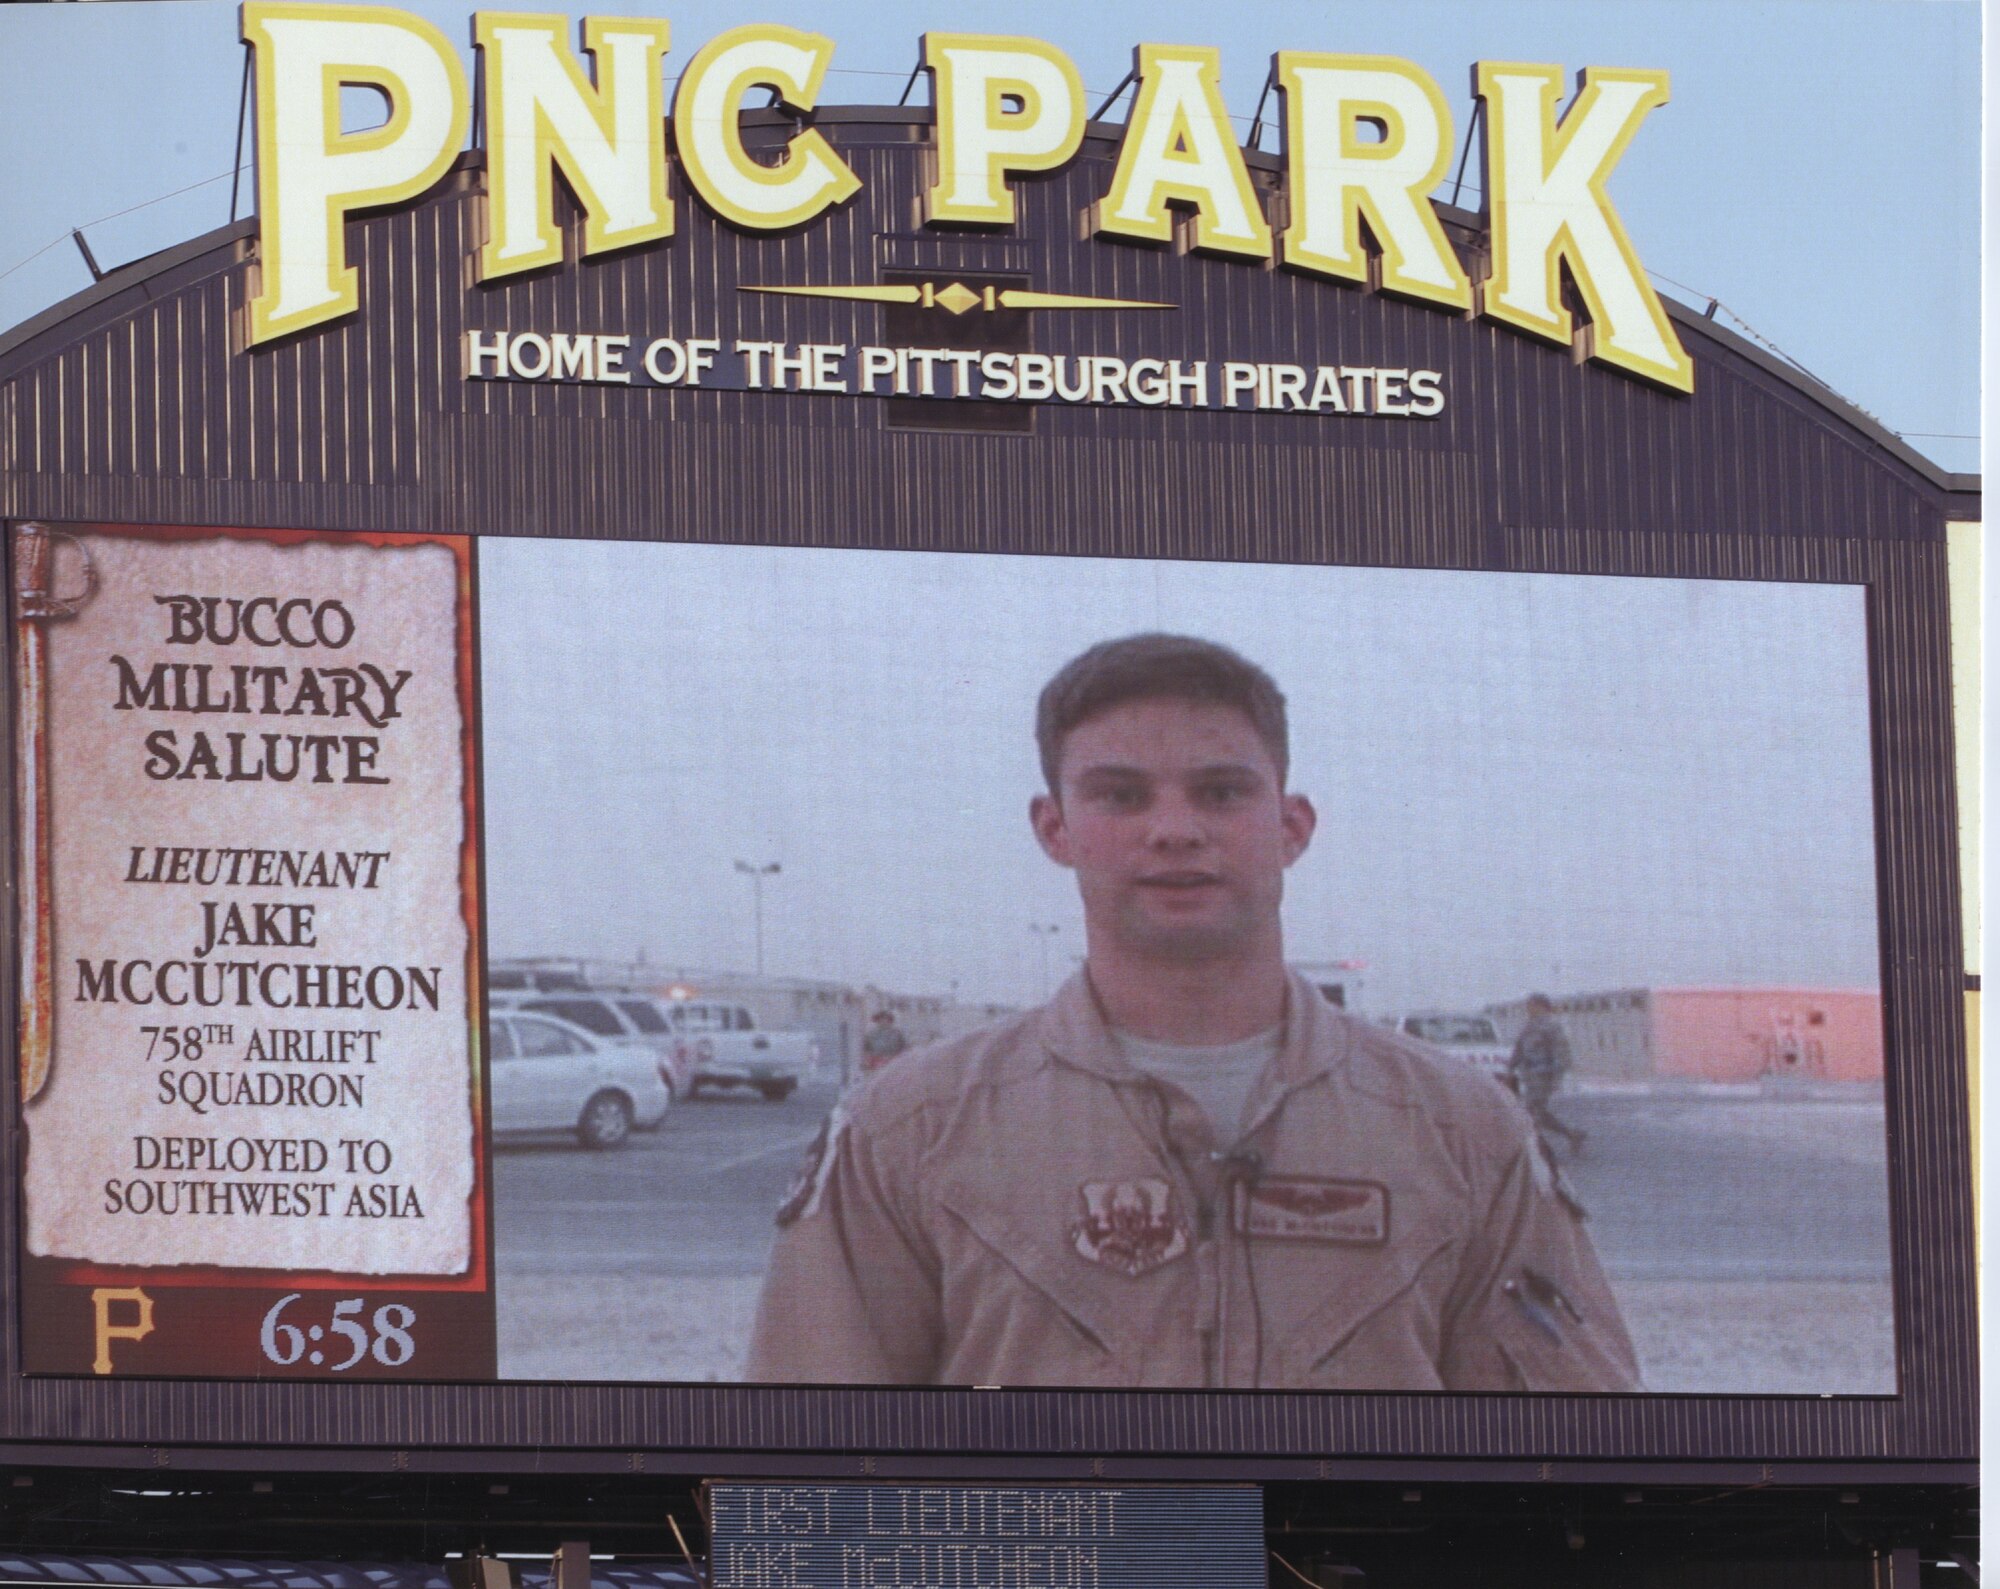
(1219, 1078)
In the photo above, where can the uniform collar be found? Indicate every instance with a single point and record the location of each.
(1317, 1039)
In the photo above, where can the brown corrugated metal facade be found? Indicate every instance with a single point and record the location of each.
(135, 403)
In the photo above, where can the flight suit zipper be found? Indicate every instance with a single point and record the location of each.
(1153, 1118)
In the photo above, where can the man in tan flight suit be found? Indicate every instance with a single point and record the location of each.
(1188, 1169)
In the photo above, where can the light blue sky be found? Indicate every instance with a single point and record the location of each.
(1817, 170)
(1523, 780)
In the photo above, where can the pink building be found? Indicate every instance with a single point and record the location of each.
(1719, 1034)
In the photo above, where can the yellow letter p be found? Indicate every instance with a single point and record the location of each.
(136, 1329)
(310, 174)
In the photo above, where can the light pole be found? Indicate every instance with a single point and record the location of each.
(757, 874)
(1044, 931)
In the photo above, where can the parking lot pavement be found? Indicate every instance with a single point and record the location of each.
(643, 1263)
(1747, 1238)
(692, 1198)
(1732, 1188)
(1677, 1188)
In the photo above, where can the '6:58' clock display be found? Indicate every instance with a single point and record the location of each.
(348, 1338)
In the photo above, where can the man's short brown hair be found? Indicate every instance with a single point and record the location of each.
(1151, 667)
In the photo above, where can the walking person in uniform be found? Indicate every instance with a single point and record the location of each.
(1541, 1059)
(1188, 1168)
(885, 1040)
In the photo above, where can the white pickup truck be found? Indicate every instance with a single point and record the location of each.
(1472, 1038)
(724, 1048)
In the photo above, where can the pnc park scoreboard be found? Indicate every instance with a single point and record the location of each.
(523, 654)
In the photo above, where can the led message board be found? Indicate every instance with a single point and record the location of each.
(897, 1536)
(818, 1046)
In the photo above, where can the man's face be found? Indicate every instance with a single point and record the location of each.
(1173, 818)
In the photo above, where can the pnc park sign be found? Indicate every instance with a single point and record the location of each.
(1366, 140)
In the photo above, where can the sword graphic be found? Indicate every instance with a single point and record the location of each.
(36, 603)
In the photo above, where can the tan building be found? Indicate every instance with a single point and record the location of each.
(1718, 1034)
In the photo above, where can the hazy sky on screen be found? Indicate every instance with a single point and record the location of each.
(1523, 780)
(1817, 169)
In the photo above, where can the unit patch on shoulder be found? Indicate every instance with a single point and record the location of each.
(1130, 1226)
(803, 1195)
(1305, 1208)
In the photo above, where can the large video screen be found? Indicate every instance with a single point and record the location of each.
(613, 961)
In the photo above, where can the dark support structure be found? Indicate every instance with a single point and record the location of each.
(89, 259)
(242, 122)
